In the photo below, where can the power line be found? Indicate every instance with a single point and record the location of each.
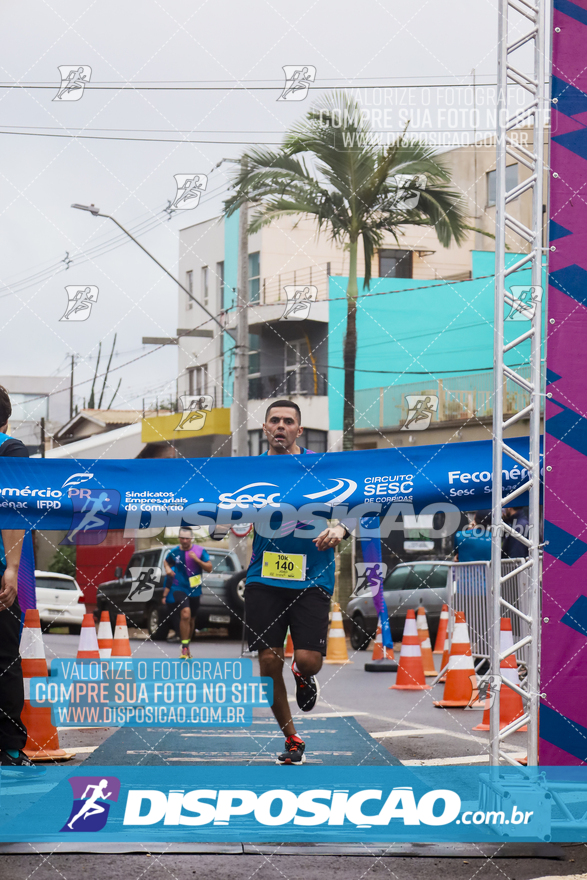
(129, 87)
(98, 250)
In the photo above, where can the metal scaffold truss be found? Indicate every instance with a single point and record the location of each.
(517, 35)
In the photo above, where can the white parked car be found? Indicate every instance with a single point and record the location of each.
(59, 600)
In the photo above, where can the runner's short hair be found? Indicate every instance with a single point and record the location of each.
(186, 529)
(289, 403)
(5, 406)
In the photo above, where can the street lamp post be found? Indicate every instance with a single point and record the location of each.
(96, 213)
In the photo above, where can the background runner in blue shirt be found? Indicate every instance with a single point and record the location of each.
(186, 563)
(473, 544)
(13, 733)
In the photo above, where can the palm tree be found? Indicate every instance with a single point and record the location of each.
(358, 189)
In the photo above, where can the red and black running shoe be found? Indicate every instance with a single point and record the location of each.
(307, 690)
(294, 751)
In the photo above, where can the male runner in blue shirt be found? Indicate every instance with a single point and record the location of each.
(186, 563)
(289, 582)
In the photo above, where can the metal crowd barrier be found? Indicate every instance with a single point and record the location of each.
(469, 590)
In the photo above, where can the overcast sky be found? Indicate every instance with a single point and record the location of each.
(176, 43)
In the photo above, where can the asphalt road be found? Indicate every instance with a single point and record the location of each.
(405, 723)
(171, 866)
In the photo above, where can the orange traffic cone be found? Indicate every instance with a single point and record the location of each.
(511, 705)
(336, 651)
(88, 643)
(445, 657)
(379, 652)
(120, 642)
(105, 635)
(383, 659)
(289, 646)
(42, 738)
(410, 674)
(425, 646)
(442, 631)
(460, 678)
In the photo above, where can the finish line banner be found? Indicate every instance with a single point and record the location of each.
(101, 804)
(89, 497)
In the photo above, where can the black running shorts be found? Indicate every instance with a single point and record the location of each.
(182, 600)
(270, 610)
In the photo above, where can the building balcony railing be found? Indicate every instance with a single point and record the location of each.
(303, 382)
(459, 398)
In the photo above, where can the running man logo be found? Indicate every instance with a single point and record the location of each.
(90, 802)
(92, 509)
(144, 581)
(80, 300)
(73, 82)
(522, 300)
(406, 190)
(371, 574)
(297, 82)
(194, 410)
(299, 302)
(421, 408)
(189, 188)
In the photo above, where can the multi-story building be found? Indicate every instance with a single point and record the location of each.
(302, 360)
(37, 401)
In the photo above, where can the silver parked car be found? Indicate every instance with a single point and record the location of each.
(409, 585)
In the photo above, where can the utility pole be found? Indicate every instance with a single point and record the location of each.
(240, 405)
(71, 388)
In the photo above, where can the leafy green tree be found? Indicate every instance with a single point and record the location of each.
(332, 167)
(64, 561)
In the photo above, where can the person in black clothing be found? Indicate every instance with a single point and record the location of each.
(511, 548)
(13, 733)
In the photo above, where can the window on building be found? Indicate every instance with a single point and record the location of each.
(298, 368)
(198, 379)
(27, 407)
(205, 283)
(255, 391)
(254, 277)
(511, 180)
(220, 284)
(257, 442)
(395, 263)
(313, 439)
(189, 283)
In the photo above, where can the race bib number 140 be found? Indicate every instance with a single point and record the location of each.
(284, 566)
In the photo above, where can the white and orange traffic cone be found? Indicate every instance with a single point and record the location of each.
(289, 645)
(336, 651)
(425, 646)
(442, 631)
(42, 738)
(105, 635)
(120, 642)
(88, 643)
(460, 678)
(383, 659)
(410, 673)
(511, 705)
